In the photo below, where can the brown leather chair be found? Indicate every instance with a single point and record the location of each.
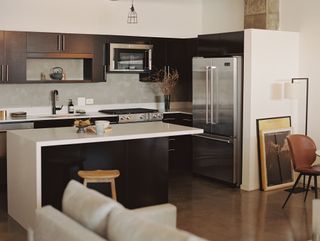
(303, 154)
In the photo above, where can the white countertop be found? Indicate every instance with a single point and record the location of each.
(130, 131)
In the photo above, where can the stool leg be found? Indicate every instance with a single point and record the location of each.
(85, 183)
(113, 189)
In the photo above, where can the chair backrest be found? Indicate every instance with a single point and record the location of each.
(302, 149)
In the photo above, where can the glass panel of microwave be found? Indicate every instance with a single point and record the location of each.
(129, 59)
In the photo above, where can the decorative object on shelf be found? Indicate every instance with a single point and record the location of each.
(3, 114)
(276, 169)
(57, 73)
(132, 16)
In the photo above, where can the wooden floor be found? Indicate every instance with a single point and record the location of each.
(217, 212)
(221, 213)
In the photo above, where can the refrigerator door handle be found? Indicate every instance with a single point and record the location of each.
(212, 68)
(207, 94)
(229, 140)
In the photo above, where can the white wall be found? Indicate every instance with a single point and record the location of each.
(222, 16)
(303, 16)
(270, 59)
(165, 18)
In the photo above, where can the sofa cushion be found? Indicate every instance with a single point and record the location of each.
(125, 225)
(53, 225)
(88, 207)
(165, 214)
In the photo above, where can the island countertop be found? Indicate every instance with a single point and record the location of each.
(129, 131)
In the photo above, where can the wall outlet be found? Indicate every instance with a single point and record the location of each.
(89, 101)
(81, 101)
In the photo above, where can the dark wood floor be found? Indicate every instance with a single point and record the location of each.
(217, 212)
(221, 213)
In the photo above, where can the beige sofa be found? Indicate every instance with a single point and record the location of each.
(89, 215)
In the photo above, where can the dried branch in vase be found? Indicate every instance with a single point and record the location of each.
(167, 80)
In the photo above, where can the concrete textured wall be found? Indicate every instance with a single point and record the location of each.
(120, 88)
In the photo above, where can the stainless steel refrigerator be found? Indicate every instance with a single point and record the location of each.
(217, 108)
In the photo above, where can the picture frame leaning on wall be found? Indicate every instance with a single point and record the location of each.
(276, 170)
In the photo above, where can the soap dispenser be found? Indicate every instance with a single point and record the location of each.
(70, 107)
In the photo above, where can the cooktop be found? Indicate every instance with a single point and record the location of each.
(128, 111)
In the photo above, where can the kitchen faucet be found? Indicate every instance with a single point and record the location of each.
(54, 97)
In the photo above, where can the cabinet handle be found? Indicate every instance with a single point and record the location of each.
(63, 42)
(7, 72)
(58, 42)
(105, 72)
(172, 149)
(1, 73)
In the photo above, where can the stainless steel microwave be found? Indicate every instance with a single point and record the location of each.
(130, 57)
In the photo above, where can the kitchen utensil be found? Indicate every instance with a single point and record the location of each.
(57, 73)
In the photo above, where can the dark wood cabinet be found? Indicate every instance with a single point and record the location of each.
(180, 147)
(12, 57)
(44, 42)
(59, 42)
(143, 179)
(177, 54)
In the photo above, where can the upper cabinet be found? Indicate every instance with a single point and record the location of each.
(60, 43)
(176, 54)
(12, 57)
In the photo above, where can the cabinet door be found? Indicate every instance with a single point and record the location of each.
(158, 54)
(15, 52)
(44, 42)
(2, 56)
(78, 43)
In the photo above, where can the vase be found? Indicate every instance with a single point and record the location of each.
(166, 103)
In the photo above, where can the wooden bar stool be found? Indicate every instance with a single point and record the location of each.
(101, 176)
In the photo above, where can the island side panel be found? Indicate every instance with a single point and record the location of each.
(23, 165)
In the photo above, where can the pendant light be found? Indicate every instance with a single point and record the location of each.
(132, 16)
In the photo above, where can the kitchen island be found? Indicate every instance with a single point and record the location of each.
(37, 160)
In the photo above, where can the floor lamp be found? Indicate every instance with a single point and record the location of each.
(292, 93)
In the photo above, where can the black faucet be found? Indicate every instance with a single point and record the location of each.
(54, 97)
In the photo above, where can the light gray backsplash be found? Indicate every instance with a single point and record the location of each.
(120, 88)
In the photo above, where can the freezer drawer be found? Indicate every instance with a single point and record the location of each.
(214, 158)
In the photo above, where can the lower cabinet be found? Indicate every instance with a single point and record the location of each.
(143, 166)
(180, 147)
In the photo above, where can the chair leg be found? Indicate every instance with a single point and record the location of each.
(113, 190)
(304, 182)
(309, 180)
(291, 191)
(315, 186)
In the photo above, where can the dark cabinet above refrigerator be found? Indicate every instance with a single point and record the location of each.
(221, 44)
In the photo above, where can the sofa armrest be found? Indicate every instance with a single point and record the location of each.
(164, 214)
(54, 225)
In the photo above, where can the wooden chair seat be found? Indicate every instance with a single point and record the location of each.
(98, 176)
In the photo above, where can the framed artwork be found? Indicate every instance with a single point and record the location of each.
(275, 163)
(275, 159)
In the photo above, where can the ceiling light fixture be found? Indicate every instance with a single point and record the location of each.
(132, 16)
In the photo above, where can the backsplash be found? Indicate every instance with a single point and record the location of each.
(119, 88)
